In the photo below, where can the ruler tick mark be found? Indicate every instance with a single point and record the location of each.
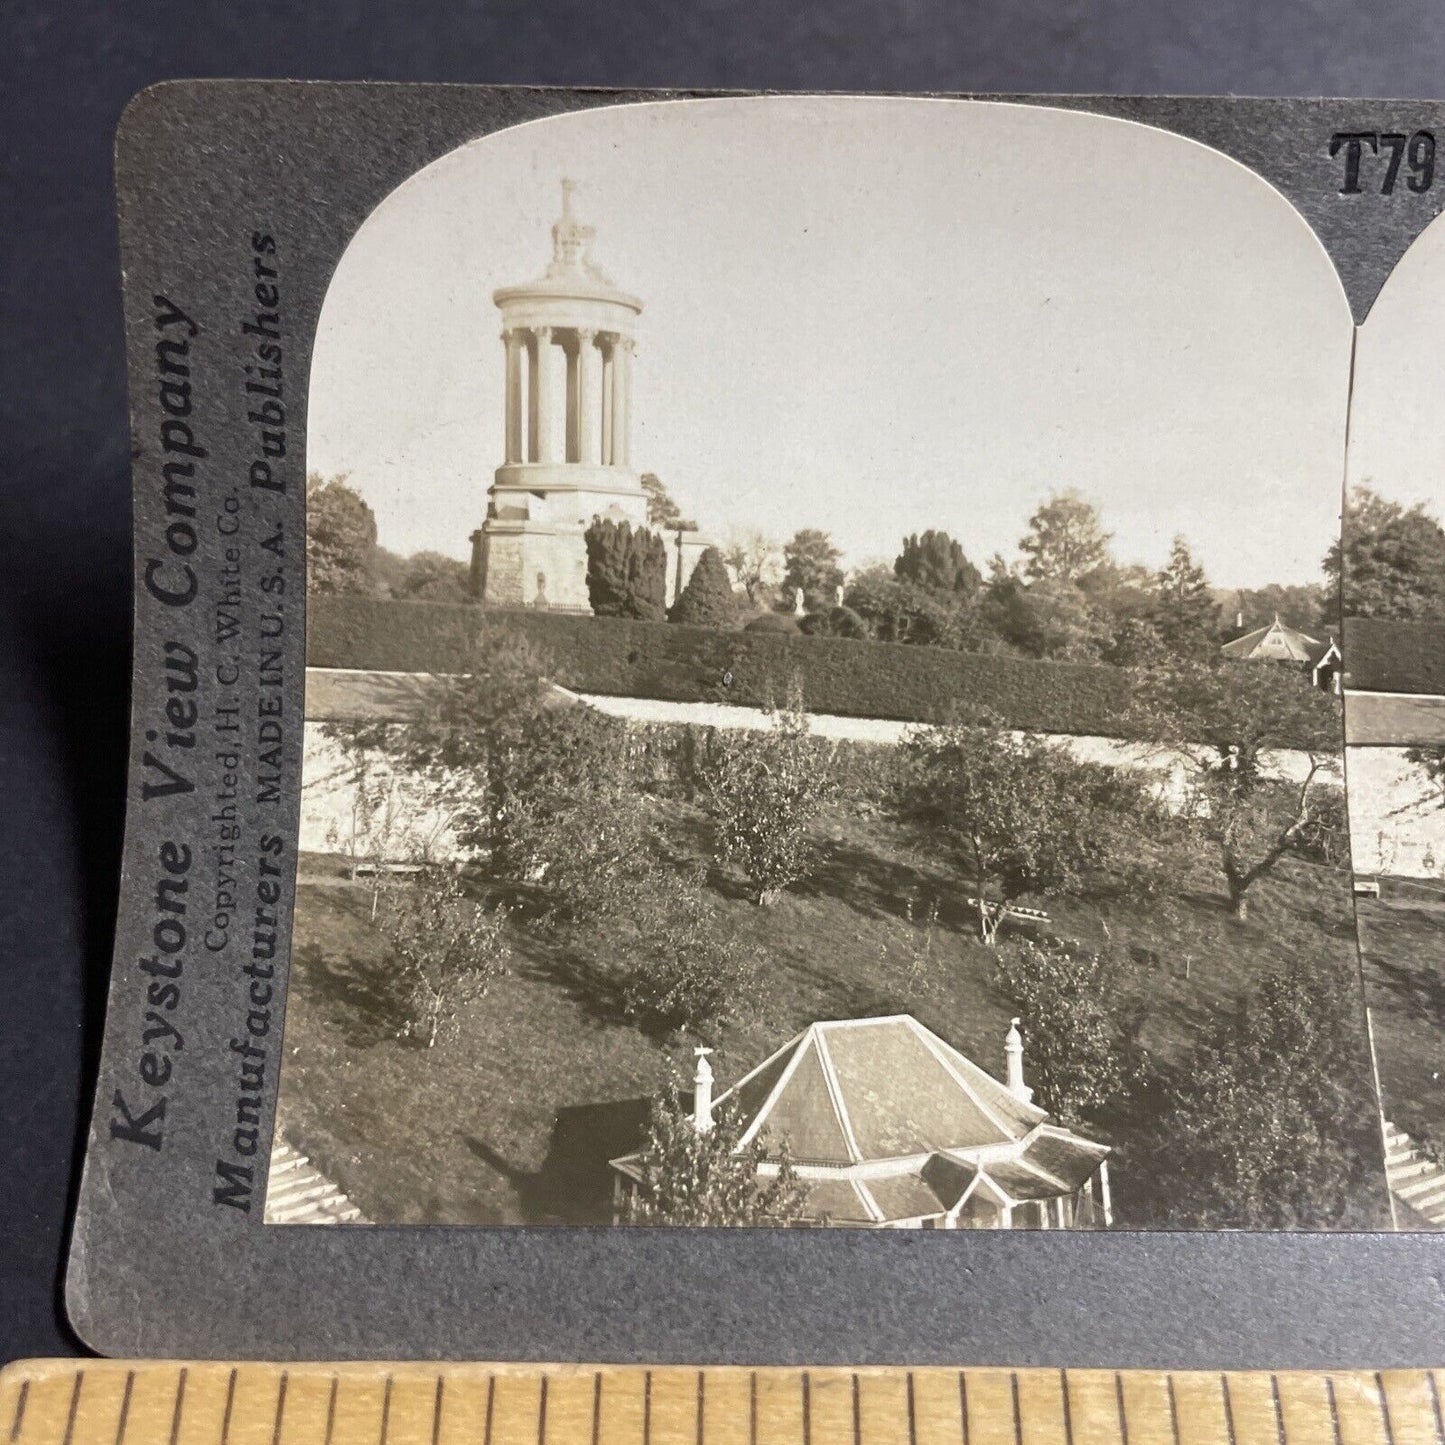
(1173, 1408)
(180, 1405)
(330, 1408)
(753, 1408)
(1119, 1400)
(1334, 1408)
(1435, 1401)
(230, 1402)
(597, 1407)
(1068, 1407)
(124, 1407)
(807, 1408)
(436, 1410)
(75, 1405)
(491, 1404)
(701, 1387)
(647, 1408)
(1013, 1376)
(280, 1408)
(857, 1412)
(1278, 1409)
(1384, 1408)
(912, 1413)
(1228, 1408)
(542, 1413)
(963, 1405)
(23, 1397)
(386, 1410)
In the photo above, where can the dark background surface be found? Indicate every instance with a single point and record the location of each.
(67, 70)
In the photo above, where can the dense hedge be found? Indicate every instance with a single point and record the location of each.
(686, 664)
(1382, 655)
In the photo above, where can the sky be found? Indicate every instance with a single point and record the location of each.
(872, 316)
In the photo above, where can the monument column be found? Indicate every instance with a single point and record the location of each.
(622, 397)
(589, 409)
(514, 397)
(540, 395)
(609, 399)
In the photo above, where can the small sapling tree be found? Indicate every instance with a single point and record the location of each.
(1018, 816)
(449, 950)
(763, 789)
(1080, 1026)
(686, 968)
(708, 1177)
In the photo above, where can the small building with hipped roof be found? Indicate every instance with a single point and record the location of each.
(888, 1126)
(1278, 642)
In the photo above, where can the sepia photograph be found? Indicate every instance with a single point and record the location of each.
(826, 691)
(1392, 563)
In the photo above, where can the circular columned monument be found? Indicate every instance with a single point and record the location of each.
(569, 339)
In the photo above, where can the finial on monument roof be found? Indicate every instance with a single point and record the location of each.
(571, 241)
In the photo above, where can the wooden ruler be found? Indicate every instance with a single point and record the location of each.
(114, 1402)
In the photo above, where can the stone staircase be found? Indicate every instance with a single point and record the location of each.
(1415, 1180)
(297, 1193)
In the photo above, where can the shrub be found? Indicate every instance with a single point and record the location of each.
(835, 622)
(448, 948)
(1270, 1123)
(626, 571)
(764, 789)
(707, 600)
(781, 623)
(688, 970)
(710, 1178)
(1080, 1030)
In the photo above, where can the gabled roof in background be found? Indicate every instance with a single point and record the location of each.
(1276, 643)
(869, 1089)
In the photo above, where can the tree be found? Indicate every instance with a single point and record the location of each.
(897, 611)
(432, 577)
(1217, 722)
(763, 790)
(757, 563)
(1065, 540)
(1269, 1123)
(1392, 559)
(377, 828)
(1305, 607)
(1018, 815)
(710, 1177)
(449, 950)
(1057, 621)
(662, 512)
(1081, 1030)
(812, 565)
(935, 562)
(626, 571)
(340, 537)
(707, 600)
(1187, 615)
